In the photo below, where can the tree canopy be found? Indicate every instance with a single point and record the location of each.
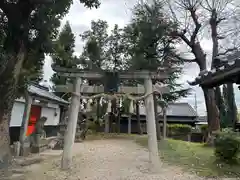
(62, 55)
(149, 46)
(33, 23)
(27, 30)
(144, 43)
(94, 53)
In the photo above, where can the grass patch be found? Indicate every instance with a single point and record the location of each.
(194, 157)
(99, 136)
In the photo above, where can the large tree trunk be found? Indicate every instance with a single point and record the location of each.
(5, 153)
(212, 110)
(138, 118)
(209, 94)
(220, 104)
(231, 105)
(8, 90)
(25, 120)
(158, 130)
(220, 109)
(212, 115)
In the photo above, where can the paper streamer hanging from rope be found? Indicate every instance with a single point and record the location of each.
(109, 108)
(129, 96)
(88, 108)
(131, 110)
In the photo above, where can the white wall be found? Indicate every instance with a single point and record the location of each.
(17, 114)
(49, 113)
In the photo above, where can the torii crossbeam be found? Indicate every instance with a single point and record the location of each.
(88, 90)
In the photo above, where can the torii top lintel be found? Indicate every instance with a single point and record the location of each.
(88, 74)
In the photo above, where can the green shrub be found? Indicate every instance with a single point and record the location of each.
(92, 125)
(178, 129)
(227, 146)
(228, 130)
(204, 128)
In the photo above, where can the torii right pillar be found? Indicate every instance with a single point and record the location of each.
(151, 126)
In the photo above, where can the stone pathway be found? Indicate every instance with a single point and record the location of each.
(105, 160)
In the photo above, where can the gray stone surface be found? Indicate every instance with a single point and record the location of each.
(107, 160)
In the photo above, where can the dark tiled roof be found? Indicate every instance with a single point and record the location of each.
(176, 109)
(42, 92)
(226, 73)
(181, 109)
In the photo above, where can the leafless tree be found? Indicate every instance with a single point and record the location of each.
(223, 16)
(202, 18)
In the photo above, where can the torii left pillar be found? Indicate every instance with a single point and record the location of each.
(69, 137)
(151, 126)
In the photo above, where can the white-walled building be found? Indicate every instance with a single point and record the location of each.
(44, 103)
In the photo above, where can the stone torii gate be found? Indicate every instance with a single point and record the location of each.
(79, 74)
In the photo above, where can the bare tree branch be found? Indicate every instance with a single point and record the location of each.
(209, 7)
(183, 37)
(221, 19)
(173, 13)
(197, 25)
(228, 51)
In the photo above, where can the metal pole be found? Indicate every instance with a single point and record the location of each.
(69, 137)
(151, 126)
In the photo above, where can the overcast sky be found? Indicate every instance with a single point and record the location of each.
(119, 12)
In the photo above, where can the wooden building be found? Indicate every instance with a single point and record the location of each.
(177, 113)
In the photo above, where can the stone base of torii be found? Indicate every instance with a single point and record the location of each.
(75, 103)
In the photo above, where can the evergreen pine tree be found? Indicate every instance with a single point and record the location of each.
(63, 56)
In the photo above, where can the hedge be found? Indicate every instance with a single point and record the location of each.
(227, 146)
(178, 129)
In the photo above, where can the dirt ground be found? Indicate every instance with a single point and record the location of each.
(103, 160)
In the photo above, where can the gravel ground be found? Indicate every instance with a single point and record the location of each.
(105, 160)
